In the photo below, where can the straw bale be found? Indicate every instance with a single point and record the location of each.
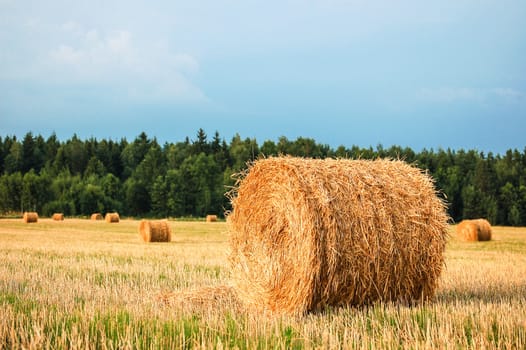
(112, 217)
(96, 216)
(474, 230)
(467, 231)
(211, 218)
(58, 217)
(155, 231)
(30, 217)
(484, 230)
(310, 233)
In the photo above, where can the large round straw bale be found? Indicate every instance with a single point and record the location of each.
(211, 218)
(58, 217)
(96, 216)
(30, 217)
(309, 233)
(474, 230)
(155, 231)
(112, 217)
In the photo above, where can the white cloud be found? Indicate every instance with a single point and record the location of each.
(92, 35)
(450, 94)
(90, 50)
(67, 54)
(509, 93)
(115, 58)
(71, 26)
(186, 62)
(31, 23)
(119, 42)
(175, 87)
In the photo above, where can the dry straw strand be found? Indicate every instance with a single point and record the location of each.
(112, 217)
(310, 233)
(30, 217)
(474, 230)
(155, 231)
(58, 217)
(211, 218)
(96, 216)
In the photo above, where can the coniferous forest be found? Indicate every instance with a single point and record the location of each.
(189, 178)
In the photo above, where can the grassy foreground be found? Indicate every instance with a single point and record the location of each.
(94, 285)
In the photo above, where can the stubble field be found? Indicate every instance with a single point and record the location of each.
(94, 285)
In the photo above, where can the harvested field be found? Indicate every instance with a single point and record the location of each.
(112, 286)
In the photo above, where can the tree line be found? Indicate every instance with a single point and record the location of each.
(189, 178)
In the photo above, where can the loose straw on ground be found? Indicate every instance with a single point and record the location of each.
(204, 298)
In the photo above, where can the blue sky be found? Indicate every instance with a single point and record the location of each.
(410, 73)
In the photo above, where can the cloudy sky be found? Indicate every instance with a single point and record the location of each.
(423, 74)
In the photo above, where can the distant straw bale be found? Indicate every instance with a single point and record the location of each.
(112, 217)
(211, 218)
(58, 217)
(155, 231)
(467, 231)
(309, 233)
(474, 230)
(96, 216)
(30, 217)
(484, 232)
